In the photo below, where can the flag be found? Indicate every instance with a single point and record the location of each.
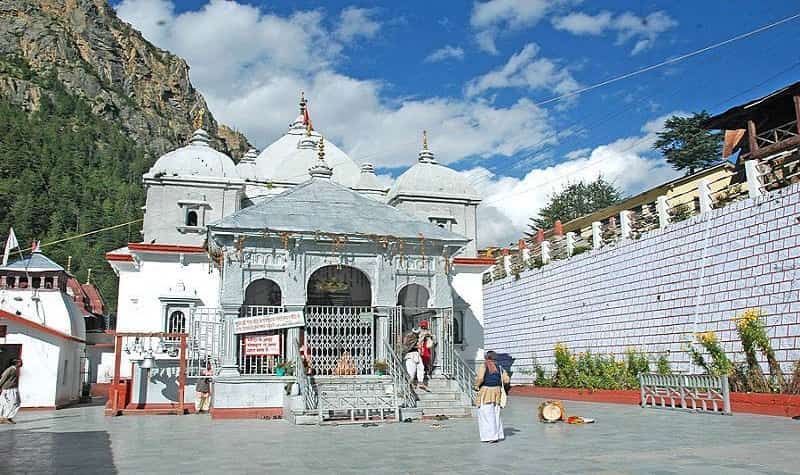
(11, 243)
(307, 119)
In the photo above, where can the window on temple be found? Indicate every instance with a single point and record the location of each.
(444, 223)
(11, 282)
(23, 282)
(48, 282)
(191, 217)
(458, 328)
(176, 322)
(37, 282)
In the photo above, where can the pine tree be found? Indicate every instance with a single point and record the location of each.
(576, 200)
(686, 145)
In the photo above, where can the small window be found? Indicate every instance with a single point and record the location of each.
(3, 331)
(48, 282)
(23, 282)
(37, 282)
(444, 223)
(176, 323)
(11, 282)
(191, 218)
(458, 325)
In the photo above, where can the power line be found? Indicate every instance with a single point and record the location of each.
(669, 61)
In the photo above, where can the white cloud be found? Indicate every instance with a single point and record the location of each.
(525, 69)
(490, 17)
(444, 53)
(251, 66)
(512, 202)
(355, 22)
(628, 26)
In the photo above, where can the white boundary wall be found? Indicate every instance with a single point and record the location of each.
(654, 293)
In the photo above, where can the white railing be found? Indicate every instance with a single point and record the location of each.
(698, 392)
(464, 376)
(400, 379)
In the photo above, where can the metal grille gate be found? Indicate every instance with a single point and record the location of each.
(340, 340)
(204, 343)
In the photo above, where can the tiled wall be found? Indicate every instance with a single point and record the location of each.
(654, 293)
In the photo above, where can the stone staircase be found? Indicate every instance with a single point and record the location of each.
(443, 398)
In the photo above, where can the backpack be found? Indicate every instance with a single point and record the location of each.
(410, 341)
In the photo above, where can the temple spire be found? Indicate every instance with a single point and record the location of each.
(425, 155)
(321, 169)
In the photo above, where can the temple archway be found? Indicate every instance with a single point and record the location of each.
(262, 292)
(340, 286)
(413, 298)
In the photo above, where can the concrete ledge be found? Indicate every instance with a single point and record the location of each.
(247, 413)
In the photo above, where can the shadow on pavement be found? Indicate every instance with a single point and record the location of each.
(24, 451)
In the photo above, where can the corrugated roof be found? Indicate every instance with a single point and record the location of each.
(325, 206)
(35, 262)
(736, 117)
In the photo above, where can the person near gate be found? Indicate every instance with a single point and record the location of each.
(9, 392)
(203, 390)
(413, 360)
(491, 381)
(426, 346)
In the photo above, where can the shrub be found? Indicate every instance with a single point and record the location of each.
(794, 384)
(662, 365)
(565, 367)
(720, 364)
(753, 335)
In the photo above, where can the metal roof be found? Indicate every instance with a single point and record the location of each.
(325, 206)
(35, 262)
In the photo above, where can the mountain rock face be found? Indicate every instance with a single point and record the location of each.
(83, 45)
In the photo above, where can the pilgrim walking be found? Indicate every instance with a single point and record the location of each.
(413, 360)
(9, 392)
(491, 399)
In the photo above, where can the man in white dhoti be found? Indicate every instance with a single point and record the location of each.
(9, 392)
(491, 398)
(413, 360)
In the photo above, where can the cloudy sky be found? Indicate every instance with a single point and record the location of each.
(479, 77)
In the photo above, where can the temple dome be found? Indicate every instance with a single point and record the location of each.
(197, 158)
(247, 165)
(288, 159)
(429, 178)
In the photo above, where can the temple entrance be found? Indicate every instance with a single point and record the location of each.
(340, 322)
(413, 298)
(261, 352)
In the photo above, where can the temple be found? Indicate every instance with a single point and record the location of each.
(294, 275)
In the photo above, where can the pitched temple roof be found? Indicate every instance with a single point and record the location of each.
(322, 205)
(36, 262)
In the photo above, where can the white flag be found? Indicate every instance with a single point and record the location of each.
(11, 243)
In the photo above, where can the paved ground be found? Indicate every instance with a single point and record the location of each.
(625, 439)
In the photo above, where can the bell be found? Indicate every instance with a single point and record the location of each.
(148, 362)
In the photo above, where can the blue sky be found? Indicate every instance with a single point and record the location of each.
(472, 73)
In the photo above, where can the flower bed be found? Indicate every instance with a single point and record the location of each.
(787, 405)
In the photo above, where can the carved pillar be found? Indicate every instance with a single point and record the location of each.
(625, 224)
(704, 192)
(230, 341)
(570, 243)
(293, 335)
(545, 252)
(753, 178)
(662, 208)
(597, 238)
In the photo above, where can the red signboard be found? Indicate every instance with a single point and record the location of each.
(262, 345)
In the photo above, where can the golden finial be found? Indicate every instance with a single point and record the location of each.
(321, 153)
(303, 101)
(198, 119)
(424, 140)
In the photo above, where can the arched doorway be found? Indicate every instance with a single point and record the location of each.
(341, 286)
(262, 292)
(413, 298)
(340, 323)
(261, 352)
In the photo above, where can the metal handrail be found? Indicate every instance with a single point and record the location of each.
(400, 378)
(464, 375)
(304, 382)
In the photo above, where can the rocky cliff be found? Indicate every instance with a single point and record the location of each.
(84, 46)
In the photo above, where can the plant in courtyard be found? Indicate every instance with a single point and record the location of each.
(565, 366)
(720, 364)
(794, 383)
(590, 371)
(381, 367)
(662, 365)
(680, 213)
(753, 335)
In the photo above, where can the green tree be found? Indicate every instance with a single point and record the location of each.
(576, 200)
(687, 146)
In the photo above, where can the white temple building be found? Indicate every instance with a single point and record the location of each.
(297, 266)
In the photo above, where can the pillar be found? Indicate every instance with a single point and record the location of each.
(662, 208)
(293, 335)
(705, 196)
(753, 178)
(545, 252)
(625, 224)
(570, 243)
(597, 235)
(230, 341)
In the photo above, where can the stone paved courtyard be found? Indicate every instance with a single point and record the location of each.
(625, 439)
